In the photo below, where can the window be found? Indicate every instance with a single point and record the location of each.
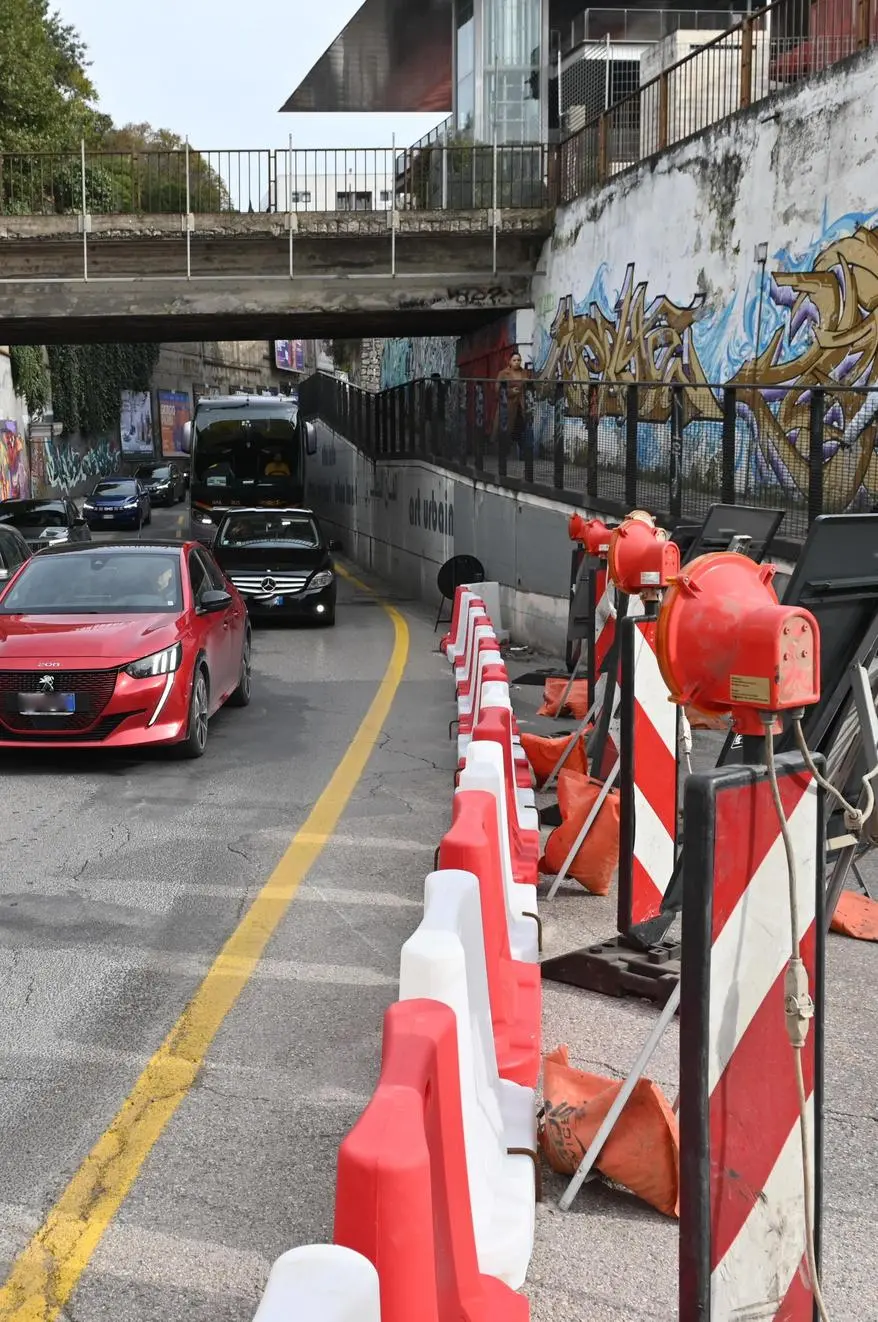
(215, 576)
(353, 201)
(301, 199)
(386, 195)
(197, 574)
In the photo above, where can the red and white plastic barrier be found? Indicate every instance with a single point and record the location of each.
(444, 960)
(403, 1197)
(321, 1283)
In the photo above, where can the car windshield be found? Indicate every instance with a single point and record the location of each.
(115, 489)
(33, 514)
(246, 446)
(269, 528)
(97, 582)
(150, 471)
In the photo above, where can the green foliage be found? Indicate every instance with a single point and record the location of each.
(344, 354)
(30, 376)
(88, 380)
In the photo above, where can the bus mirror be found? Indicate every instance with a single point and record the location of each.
(310, 438)
(187, 437)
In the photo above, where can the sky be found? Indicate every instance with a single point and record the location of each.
(217, 70)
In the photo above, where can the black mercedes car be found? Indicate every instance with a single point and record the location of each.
(280, 562)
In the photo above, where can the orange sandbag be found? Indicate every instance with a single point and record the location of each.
(598, 856)
(700, 720)
(577, 703)
(642, 1151)
(857, 916)
(543, 753)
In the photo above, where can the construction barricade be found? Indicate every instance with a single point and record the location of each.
(403, 1197)
(321, 1283)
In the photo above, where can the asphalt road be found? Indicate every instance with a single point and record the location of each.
(122, 878)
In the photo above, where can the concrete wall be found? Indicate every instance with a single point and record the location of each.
(654, 279)
(404, 519)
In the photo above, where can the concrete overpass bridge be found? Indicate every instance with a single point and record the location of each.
(243, 245)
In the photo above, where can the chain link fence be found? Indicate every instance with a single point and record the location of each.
(672, 449)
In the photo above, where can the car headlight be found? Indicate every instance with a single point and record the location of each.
(87, 505)
(322, 579)
(158, 663)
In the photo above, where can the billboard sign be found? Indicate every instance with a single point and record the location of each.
(289, 355)
(135, 422)
(174, 413)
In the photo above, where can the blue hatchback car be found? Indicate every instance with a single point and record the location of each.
(117, 502)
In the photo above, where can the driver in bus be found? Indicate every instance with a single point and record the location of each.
(277, 466)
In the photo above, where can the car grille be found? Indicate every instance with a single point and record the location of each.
(52, 735)
(250, 585)
(93, 689)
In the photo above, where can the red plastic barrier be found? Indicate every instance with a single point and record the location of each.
(495, 671)
(477, 614)
(455, 619)
(473, 845)
(402, 1196)
(496, 723)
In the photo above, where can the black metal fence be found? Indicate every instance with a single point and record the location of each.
(672, 449)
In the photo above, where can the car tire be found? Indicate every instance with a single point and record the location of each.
(242, 694)
(195, 742)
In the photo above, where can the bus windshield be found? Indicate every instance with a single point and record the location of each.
(246, 447)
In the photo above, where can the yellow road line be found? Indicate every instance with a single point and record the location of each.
(46, 1272)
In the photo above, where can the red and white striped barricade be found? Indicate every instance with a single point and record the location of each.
(322, 1281)
(602, 603)
(444, 960)
(452, 643)
(649, 776)
(480, 637)
(742, 1208)
(494, 692)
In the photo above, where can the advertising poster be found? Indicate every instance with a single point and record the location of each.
(136, 422)
(289, 355)
(174, 413)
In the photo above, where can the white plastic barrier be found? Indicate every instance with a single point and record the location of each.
(454, 650)
(490, 595)
(528, 815)
(477, 624)
(484, 771)
(321, 1283)
(444, 960)
(468, 703)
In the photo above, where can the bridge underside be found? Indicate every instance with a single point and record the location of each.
(247, 277)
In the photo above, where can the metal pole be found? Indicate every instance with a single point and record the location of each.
(290, 200)
(600, 1138)
(586, 827)
(84, 210)
(393, 211)
(188, 216)
(560, 97)
(494, 209)
(607, 75)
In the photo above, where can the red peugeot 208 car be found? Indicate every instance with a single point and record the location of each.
(120, 646)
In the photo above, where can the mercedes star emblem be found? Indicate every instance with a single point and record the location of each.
(268, 585)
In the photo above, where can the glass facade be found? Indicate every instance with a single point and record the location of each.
(512, 60)
(465, 66)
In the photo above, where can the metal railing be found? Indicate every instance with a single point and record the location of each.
(458, 177)
(641, 25)
(782, 44)
(672, 449)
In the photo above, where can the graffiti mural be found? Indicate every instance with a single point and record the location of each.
(812, 320)
(14, 475)
(415, 359)
(71, 463)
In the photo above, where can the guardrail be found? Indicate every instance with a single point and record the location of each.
(779, 45)
(640, 25)
(673, 449)
(430, 176)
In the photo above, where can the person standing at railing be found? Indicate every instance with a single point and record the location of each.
(513, 381)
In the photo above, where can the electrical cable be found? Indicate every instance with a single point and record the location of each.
(854, 818)
(798, 1005)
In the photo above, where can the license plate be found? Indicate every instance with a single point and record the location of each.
(46, 704)
(276, 601)
(106, 516)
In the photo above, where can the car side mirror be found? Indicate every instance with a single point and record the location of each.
(310, 438)
(214, 600)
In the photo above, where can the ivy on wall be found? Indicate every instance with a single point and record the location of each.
(88, 380)
(30, 376)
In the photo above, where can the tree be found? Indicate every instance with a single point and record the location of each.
(151, 170)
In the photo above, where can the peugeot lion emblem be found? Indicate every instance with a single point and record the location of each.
(268, 585)
(47, 684)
